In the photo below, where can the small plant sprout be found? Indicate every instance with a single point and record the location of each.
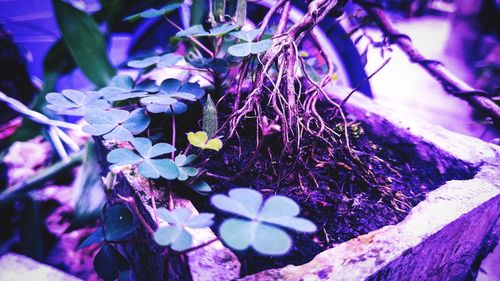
(175, 234)
(210, 122)
(261, 223)
(200, 140)
(147, 166)
(169, 98)
(122, 87)
(76, 103)
(118, 125)
(247, 46)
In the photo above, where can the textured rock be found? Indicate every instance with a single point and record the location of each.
(442, 238)
(15, 267)
(24, 159)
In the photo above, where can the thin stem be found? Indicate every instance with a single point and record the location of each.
(153, 200)
(132, 204)
(364, 81)
(192, 38)
(173, 133)
(202, 245)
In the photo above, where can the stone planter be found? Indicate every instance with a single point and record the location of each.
(443, 238)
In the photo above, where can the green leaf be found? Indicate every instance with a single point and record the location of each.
(165, 60)
(248, 48)
(261, 228)
(184, 172)
(123, 87)
(241, 201)
(200, 139)
(148, 167)
(217, 65)
(153, 13)
(172, 92)
(123, 156)
(240, 234)
(72, 102)
(85, 42)
(118, 223)
(118, 125)
(237, 233)
(95, 237)
(279, 206)
(89, 189)
(199, 31)
(271, 240)
(109, 262)
(248, 35)
(165, 236)
(175, 234)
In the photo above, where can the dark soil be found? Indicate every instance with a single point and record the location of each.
(343, 196)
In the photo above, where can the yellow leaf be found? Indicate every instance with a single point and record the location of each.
(198, 139)
(214, 144)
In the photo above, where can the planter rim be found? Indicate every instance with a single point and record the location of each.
(378, 254)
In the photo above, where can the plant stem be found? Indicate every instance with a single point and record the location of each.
(198, 43)
(143, 221)
(173, 133)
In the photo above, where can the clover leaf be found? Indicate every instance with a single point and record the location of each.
(200, 139)
(217, 65)
(123, 87)
(153, 13)
(249, 47)
(118, 125)
(169, 98)
(175, 234)
(260, 225)
(76, 103)
(199, 31)
(165, 60)
(182, 161)
(148, 165)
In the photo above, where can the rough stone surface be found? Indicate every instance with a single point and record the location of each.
(15, 267)
(442, 238)
(25, 158)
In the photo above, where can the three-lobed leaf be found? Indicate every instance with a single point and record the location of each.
(175, 234)
(76, 103)
(148, 165)
(123, 87)
(109, 263)
(165, 60)
(200, 140)
(118, 125)
(172, 96)
(261, 222)
(249, 47)
(199, 31)
(182, 161)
